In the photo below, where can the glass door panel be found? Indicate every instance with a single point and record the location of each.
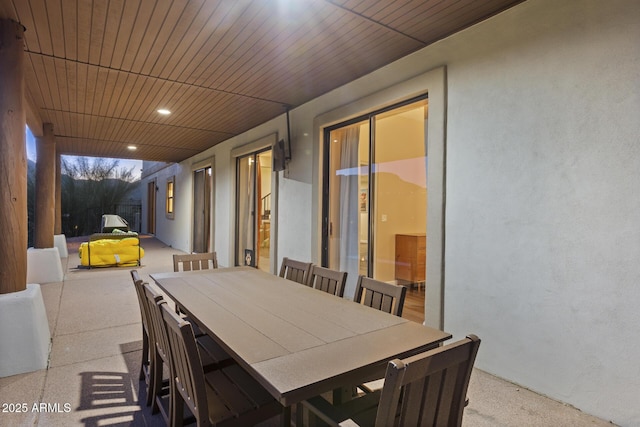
(399, 186)
(245, 230)
(376, 192)
(253, 235)
(263, 206)
(348, 221)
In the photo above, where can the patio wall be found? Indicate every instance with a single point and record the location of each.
(543, 231)
(542, 201)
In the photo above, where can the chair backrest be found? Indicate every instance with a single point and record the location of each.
(154, 302)
(137, 284)
(297, 271)
(191, 262)
(327, 280)
(186, 368)
(428, 389)
(380, 295)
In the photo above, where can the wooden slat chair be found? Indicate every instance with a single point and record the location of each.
(160, 393)
(228, 396)
(380, 295)
(327, 280)
(161, 350)
(297, 271)
(428, 389)
(146, 364)
(192, 262)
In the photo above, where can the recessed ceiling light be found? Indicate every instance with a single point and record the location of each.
(132, 147)
(164, 111)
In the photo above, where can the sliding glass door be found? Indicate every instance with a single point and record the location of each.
(376, 196)
(253, 220)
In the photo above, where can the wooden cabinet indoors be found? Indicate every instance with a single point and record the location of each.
(411, 256)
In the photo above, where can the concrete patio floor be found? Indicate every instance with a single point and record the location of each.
(95, 354)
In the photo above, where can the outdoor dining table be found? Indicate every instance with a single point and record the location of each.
(296, 341)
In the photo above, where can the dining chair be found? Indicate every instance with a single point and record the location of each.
(190, 262)
(428, 389)
(297, 271)
(330, 281)
(380, 295)
(194, 262)
(160, 391)
(228, 396)
(159, 394)
(146, 364)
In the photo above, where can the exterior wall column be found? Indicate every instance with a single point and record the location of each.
(13, 160)
(57, 229)
(45, 188)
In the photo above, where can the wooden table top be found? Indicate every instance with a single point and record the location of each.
(296, 341)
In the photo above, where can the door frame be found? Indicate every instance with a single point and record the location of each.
(152, 197)
(370, 118)
(261, 144)
(434, 83)
(208, 163)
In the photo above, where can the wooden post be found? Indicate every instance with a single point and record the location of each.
(57, 229)
(13, 160)
(45, 188)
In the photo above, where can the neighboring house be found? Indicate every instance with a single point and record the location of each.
(533, 231)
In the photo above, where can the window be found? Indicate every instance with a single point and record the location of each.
(170, 197)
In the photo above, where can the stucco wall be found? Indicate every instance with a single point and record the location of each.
(175, 232)
(542, 224)
(542, 200)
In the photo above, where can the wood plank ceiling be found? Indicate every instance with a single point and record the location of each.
(99, 69)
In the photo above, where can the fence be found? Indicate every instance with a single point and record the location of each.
(130, 211)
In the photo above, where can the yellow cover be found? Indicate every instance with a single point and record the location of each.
(110, 252)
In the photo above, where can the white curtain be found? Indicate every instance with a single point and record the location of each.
(245, 193)
(349, 209)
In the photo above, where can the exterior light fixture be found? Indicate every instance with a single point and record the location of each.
(164, 112)
(132, 147)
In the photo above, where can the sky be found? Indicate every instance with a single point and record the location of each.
(122, 163)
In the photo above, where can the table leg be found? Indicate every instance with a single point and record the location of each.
(344, 394)
(286, 417)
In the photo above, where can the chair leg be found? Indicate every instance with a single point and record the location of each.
(176, 407)
(155, 383)
(145, 354)
(152, 374)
